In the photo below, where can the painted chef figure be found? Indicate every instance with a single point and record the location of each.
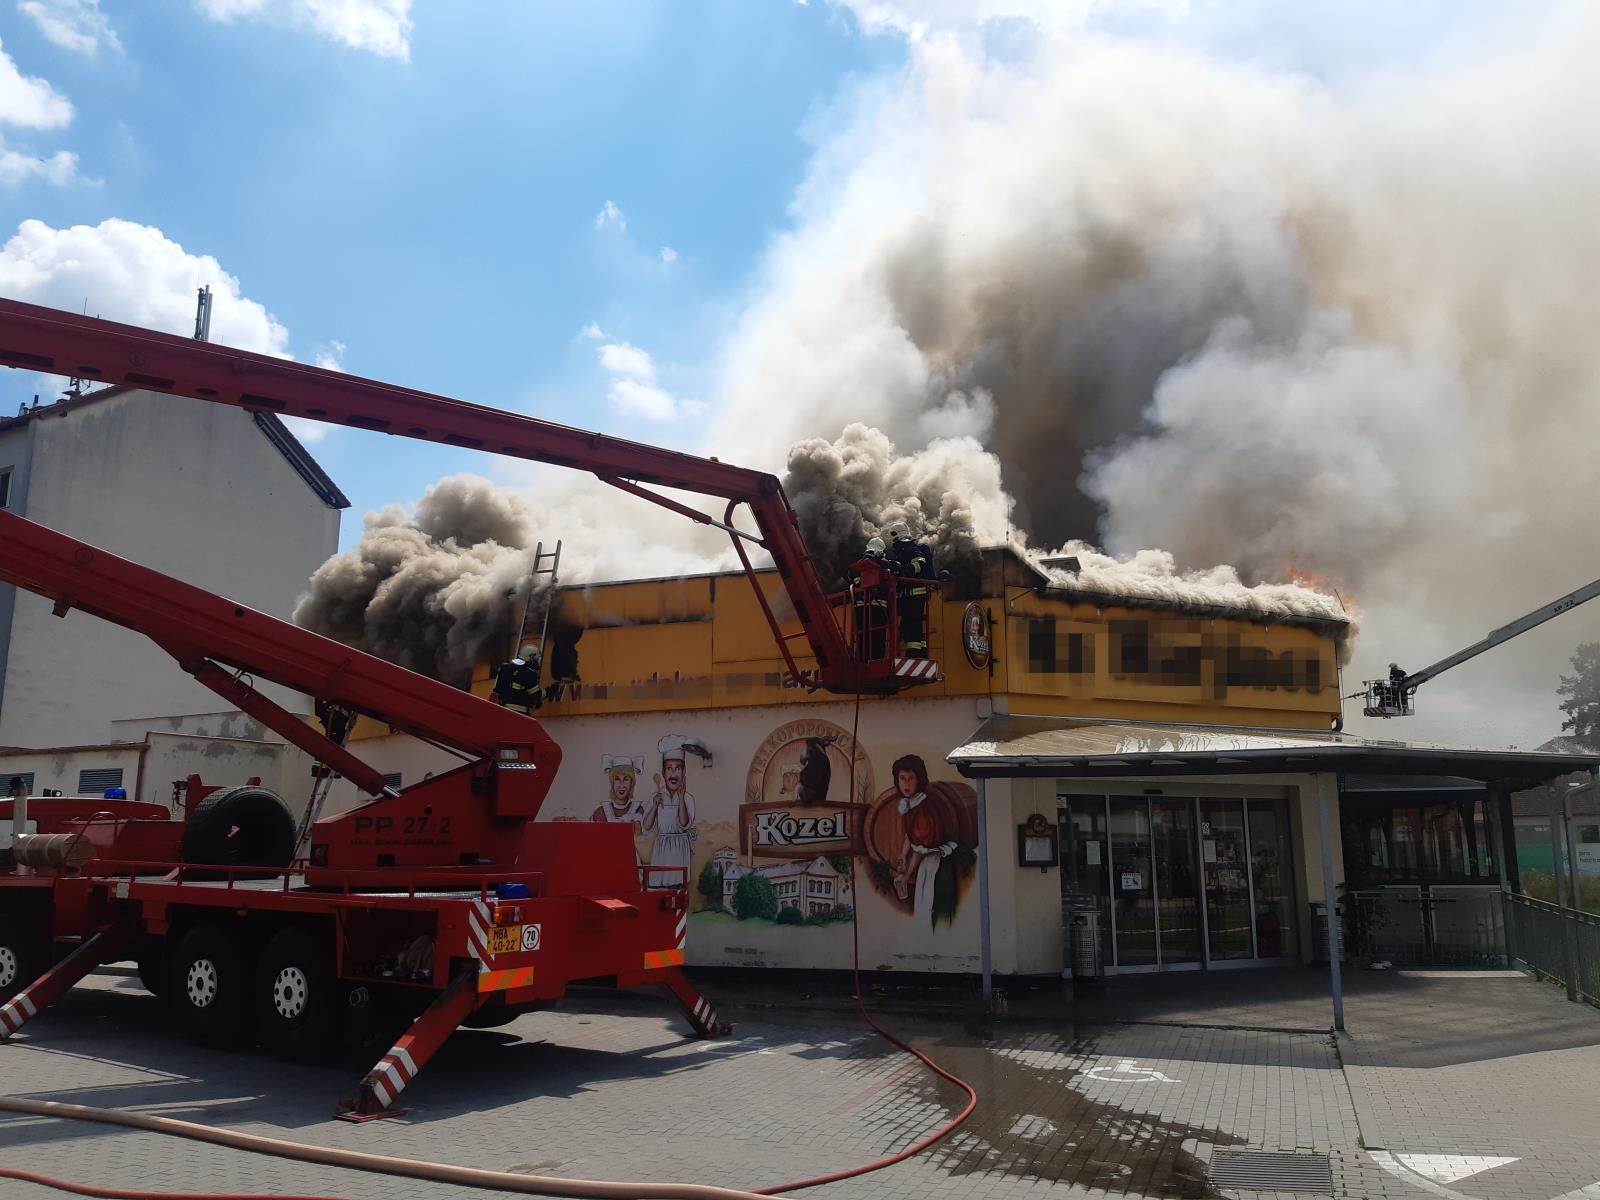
(671, 813)
(621, 806)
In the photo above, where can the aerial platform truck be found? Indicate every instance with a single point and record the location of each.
(447, 900)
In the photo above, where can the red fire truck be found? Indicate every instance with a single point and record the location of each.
(446, 901)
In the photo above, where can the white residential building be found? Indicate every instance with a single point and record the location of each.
(219, 497)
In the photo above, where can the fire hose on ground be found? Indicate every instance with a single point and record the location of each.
(504, 1181)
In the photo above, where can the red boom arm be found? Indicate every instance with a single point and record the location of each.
(206, 633)
(44, 339)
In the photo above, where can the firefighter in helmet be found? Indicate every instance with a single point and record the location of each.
(867, 580)
(913, 562)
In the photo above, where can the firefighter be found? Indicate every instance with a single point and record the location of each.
(914, 563)
(516, 683)
(871, 604)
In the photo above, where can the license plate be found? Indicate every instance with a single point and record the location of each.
(505, 939)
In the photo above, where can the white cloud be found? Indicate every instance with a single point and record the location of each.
(610, 217)
(668, 255)
(622, 359)
(380, 26)
(634, 389)
(128, 272)
(308, 431)
(17, 166)
(76, 25)
(330, 355)
(592, 331)
(29, 101)
(638, 398)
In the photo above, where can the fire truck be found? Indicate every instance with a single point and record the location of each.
(446, 901)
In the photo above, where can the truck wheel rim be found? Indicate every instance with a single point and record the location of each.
(289, 993)
(202, 982)
(8, 966)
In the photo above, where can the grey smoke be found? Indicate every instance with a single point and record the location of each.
(856, 486)
(432, 591)
(1336, 322)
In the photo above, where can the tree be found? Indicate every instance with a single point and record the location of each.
(709, 885)
(753, 896)
(1582, 692)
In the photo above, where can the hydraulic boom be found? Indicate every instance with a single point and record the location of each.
(61, 343)
(1391, 697)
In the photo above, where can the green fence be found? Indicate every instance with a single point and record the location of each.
(1561, 945)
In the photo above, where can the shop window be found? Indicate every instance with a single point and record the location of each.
(1041, 645)
(1130, 647)
(1050, 649)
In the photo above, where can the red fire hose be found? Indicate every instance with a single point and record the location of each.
(471, 1176)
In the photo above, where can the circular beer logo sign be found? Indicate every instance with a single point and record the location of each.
(975, 636)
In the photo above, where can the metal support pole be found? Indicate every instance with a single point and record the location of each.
(1574, 880)
(1558, 855)
(985, 949)
(1326, 782)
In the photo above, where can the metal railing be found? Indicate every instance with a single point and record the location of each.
(1557, 943)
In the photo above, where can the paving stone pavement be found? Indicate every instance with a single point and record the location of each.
(1494, 1065)
(611, 1088)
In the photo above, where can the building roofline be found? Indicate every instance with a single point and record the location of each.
(275, 431)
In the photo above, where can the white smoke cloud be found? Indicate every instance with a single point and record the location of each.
(382, 27)
(75, 25)
(1224, 309)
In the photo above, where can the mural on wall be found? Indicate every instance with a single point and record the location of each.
(671, 814)
(786, 859)
(921, 842)
(778, 852)
(622, 805)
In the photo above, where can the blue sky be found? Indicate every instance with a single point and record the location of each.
(691, 222)
(436, 220)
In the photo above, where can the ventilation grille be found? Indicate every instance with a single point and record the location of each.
(1261, 1171)
(99, 780)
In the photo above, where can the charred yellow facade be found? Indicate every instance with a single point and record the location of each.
(702, 643)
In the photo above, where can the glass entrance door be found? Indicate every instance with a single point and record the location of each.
(1181, 882)
(1177, 886)
(1133, 883)
(1229, 920)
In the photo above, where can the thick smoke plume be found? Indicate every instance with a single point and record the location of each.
(1311, 317)
(1338, 322)
(854, 487)
(432, 590)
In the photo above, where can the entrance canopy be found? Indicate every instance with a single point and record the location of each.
(1015, 746)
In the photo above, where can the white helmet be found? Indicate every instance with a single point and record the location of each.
(875, 548)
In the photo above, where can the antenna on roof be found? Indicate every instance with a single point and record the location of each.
(202, 315)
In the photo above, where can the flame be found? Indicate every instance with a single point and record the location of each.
(1317, 582)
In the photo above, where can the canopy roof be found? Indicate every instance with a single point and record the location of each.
(1015, 746)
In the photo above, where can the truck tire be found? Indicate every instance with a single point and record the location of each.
(208, 984)
(152, 963)
(297, 998)
(24, 954)
(242, 826)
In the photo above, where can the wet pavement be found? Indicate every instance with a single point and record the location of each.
(1137, 1092)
